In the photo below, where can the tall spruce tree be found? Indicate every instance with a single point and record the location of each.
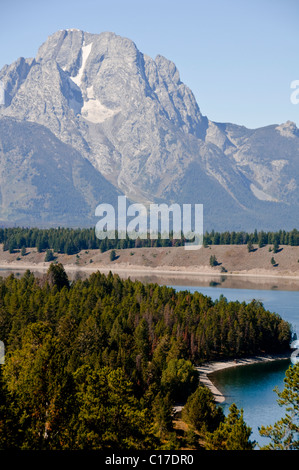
(284, 434)
(232, 433)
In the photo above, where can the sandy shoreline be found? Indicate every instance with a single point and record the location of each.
(133, 270)
(208, 368)
(192, 276)
(234, 264)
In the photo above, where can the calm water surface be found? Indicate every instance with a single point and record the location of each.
(251, 387)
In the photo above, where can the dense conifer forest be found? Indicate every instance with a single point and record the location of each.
(100, 363)
(71, 241)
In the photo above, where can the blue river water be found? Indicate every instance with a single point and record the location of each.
(251, 387)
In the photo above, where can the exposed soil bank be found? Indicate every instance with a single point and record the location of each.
(176, 265)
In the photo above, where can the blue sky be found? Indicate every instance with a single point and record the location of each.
(239, 57)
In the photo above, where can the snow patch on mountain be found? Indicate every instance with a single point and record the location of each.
(261, 195)
(94, 111)
(85, 51)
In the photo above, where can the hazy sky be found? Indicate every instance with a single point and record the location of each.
(239, 57)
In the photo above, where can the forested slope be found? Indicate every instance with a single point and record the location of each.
(100, 363)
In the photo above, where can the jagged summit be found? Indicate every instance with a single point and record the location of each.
(140, 127)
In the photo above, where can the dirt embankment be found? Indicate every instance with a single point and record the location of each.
(175, 261)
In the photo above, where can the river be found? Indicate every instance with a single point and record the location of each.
(251, 386)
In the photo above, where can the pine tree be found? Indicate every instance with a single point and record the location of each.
(213, 260)
(12, 245)
(249, 246)
(232, 433)
(284, 433)
(179, 379)
(49, 256)
(57, 276)
(162, 413)
(201, 411)
(112, 255)
(275, 246)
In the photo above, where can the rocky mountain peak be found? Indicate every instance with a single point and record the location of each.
(140, 127)
(288, 129)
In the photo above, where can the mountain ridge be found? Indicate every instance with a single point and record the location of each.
(140, 127)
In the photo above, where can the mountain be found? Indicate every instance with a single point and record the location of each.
(45, 181)
(141, 132)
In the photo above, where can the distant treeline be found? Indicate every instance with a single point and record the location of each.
(71, 241)
(261, 238)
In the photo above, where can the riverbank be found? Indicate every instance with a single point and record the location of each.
(233, 261)
(208, 368)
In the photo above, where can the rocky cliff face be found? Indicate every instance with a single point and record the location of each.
(46, 182)
(141, 131)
